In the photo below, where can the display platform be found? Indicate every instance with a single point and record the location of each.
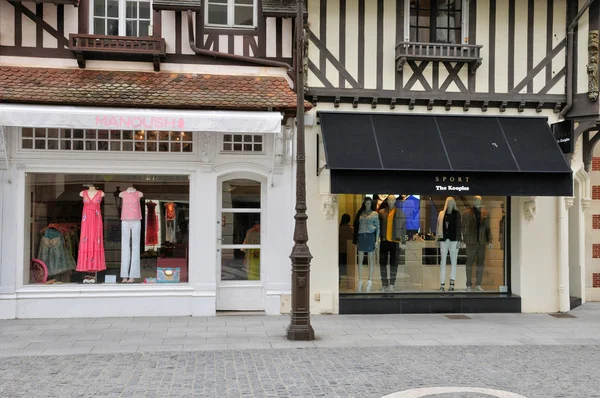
(427, 303)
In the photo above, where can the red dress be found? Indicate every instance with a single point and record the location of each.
(91, 241)
(151, 225)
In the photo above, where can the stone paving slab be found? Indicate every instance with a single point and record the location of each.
(95, 335)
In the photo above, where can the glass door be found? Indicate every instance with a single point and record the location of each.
(239, 246)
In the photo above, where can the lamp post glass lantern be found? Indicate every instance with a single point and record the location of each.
(300, 328)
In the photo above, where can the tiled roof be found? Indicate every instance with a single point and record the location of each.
(280, 8)
(87, 87)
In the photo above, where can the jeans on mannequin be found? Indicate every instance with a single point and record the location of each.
(445, 247)
(130, 251)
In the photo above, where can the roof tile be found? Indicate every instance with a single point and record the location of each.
(145, 89)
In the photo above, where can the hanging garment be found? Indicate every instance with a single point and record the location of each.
(151, 225)
(54, 254)
(170, 217)
(91, 241)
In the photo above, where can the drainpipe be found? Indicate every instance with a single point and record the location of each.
(241, 58)
(564, 300)
(570, 40)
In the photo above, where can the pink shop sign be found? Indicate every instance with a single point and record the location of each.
(140, 122)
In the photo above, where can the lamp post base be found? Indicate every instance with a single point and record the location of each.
(300, 333)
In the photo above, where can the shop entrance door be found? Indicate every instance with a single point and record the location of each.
(239, 238)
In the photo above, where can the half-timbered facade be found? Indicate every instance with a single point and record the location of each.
(169, 122)
(419, 99)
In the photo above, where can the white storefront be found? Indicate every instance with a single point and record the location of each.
(51, 151)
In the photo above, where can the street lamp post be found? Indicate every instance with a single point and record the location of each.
(300, 328)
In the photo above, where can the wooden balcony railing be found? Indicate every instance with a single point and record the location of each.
(467, 53)
(118, 47)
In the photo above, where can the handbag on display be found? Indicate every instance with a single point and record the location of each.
(168, 275)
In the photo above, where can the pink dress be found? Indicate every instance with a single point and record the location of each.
(91, 241)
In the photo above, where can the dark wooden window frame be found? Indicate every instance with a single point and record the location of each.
(432, 8)
(408, 50)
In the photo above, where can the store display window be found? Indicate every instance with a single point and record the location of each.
(409, 243)
(99, 228)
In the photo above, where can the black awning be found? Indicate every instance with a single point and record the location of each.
(512, 156)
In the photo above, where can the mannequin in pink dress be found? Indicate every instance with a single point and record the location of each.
(91, 242)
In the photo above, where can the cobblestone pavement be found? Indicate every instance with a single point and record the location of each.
(534, 355)
(532, 371)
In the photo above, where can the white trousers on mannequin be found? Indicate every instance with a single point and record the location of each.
(130, 251)
(445, 247)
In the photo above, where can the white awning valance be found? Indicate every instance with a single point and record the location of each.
(139, 119)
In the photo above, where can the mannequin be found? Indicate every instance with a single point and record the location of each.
(449, 236)
(477, 235)
(91, 241)
(366, 238)
(392, 222)
(131, 226)
(170, 217)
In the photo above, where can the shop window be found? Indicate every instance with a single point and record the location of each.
(437, 21)
(231, 13)
(240, 230)
(106, 228)
(420, 245)
(106, 140)
(240, 143)
(122, 17)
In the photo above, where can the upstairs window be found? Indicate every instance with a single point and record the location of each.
(122, 17)
(436, 21)
(231, 13)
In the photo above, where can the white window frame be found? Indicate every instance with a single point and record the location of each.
(223, 151)
(231, 16)
(464, 22)
(122, 18)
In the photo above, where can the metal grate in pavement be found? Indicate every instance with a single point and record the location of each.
(457, 317)
(561, 315)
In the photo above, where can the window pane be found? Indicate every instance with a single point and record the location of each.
(128, 135)
(77, 133)
(131, 9)
(163, 136)
(131, 28)
(175, 147)
(103, 145)
(241, 194)
(217, 2)
(235, 227)
(151, 146)
(258, 147)
(423, 35)
(240, 264)
(103, 134)
(40, 133)
(90, 145)
(40, 144)
(112, 27)
(99, 25)
(429, 257)
(128, 146)
(27, 144)
(187, 147)
(52, 144)
(65, 145)
(65, 133)
(145, 9)
(186, 136)
(258, 138)
(90, 134)
(144, 28)
(244, 16)
(247, 2)
(27, 132)
(54, 198)
(113, 8)
(163, 147)
(217, 14)
(99, 8)
(115, 146)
